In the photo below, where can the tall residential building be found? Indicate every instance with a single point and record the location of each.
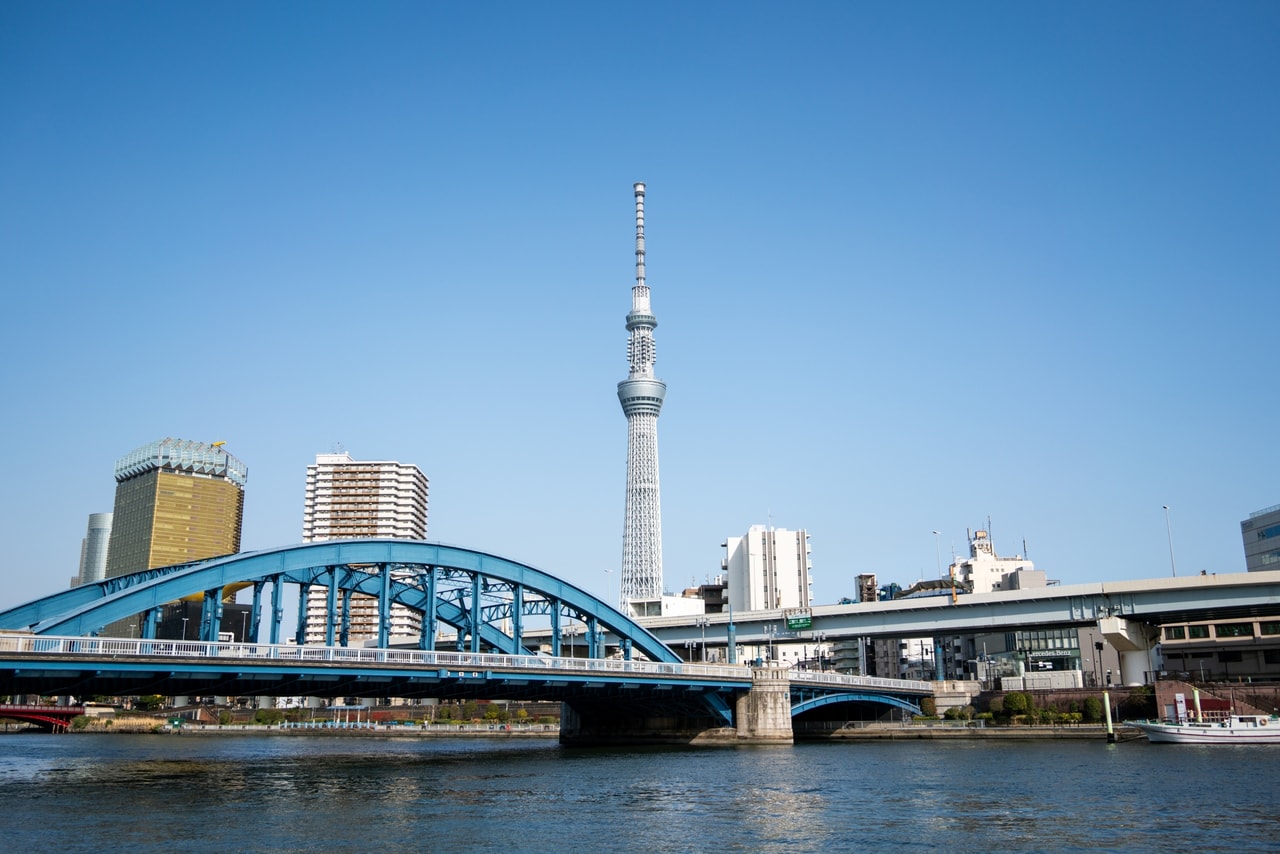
(1261, 535)
(768, 568)
(176, 502)
(93, 550)
(641, 395)
(346, 499)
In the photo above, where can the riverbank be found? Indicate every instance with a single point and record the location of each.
(533, 732)
(913, 732)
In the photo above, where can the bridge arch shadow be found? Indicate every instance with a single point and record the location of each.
(485, 599)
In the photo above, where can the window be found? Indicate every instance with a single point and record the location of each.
(1233, 655)
(1175, 632)
(1233, 630)
(1269, 628)
(1197, 631)
(1271, 656)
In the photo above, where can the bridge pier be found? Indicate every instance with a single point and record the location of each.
(1134, 642)
(763, 714)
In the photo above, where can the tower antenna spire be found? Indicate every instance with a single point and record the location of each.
(641, 395)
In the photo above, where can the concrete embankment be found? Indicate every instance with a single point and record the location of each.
(1021, 733)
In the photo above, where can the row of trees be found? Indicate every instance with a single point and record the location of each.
(1021, 707)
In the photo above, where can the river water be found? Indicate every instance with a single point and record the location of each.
(232, 793)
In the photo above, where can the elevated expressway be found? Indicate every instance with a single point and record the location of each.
(1128, 612)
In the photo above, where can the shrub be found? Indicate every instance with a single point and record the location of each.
(1092, 709)
(928, 706)
(268, 716)
(80, 722)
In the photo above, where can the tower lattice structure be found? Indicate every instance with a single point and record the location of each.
(641, 395)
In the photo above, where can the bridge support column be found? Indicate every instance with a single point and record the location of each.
(763, 714)
(1134, 642)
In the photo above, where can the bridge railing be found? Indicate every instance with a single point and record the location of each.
(99, 647)
(841, 680)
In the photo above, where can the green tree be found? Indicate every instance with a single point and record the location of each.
(1092, 710)
(928, 706)
(1016, 703)
(269, 717)
(149, 703)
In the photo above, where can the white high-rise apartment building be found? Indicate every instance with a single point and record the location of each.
(767, 569)
(347, 499)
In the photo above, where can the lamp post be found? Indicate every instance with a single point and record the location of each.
(244, 622)
(702, 622)
(184, 627)
(937, 555)
(1169, 530)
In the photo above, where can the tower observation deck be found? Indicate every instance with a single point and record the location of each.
(641, 395)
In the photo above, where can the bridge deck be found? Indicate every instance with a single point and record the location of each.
(74, 665)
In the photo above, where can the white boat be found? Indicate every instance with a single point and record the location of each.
(1237, 729)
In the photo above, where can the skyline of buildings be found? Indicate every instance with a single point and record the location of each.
(346, 499)
(983, 571)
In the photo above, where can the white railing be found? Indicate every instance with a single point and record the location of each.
(473, 662)
(840, 680)
(464, 661)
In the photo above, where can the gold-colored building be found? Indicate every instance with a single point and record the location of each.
(176, 501)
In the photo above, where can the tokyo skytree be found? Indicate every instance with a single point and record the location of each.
(641, 395)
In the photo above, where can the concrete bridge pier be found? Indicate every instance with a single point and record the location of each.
(763, 714)
(1134, 641)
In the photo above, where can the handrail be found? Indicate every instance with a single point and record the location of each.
(466, 661)
(52, 645)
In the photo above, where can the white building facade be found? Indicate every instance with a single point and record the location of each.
(986, 572)
(348, 499)
(768, 568)
(93, 550)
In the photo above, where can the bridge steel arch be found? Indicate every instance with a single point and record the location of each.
(484, 597)
(820, 700)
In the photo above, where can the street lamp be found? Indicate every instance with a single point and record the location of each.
(702, 622)
(937, 555)
(1169, 530)
(244, 621)
(184, 627)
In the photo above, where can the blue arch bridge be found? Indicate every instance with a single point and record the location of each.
(621, 684)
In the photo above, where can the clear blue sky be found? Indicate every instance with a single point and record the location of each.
(915, 266)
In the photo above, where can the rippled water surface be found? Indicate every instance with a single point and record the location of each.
(230, 793)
